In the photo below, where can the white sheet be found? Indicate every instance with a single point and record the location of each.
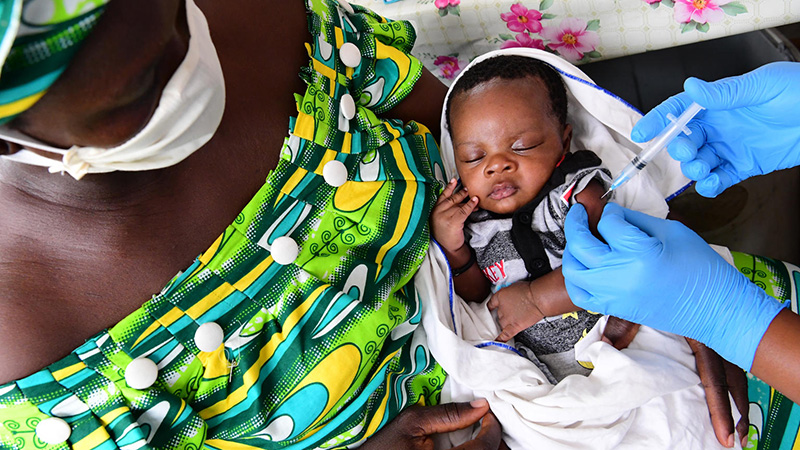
(646, 396)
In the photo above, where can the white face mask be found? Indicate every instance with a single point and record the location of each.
(187, 116)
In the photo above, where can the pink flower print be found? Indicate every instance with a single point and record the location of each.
(524, 40)
(571, 39)
(442, 4)
(521, 18)
(700, 11)
(449, 66)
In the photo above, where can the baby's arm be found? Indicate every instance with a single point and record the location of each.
(447, 226)
(526, 302)
(591, 199)
(472, 285)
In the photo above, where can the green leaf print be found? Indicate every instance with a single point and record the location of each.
(733, 8)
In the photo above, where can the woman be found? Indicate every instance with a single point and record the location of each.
(161, 375)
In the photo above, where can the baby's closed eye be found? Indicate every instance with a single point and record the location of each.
(470, 156)
(525, 145)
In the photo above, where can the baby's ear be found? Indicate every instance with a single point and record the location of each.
(566, 137)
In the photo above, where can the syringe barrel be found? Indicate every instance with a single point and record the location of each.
(669, 133)
(654, 147)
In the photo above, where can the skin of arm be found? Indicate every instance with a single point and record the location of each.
(524, 303)
(447, 228)
(472, 285)
(777, 359)
(424, 103)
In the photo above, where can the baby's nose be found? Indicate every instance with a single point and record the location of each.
(500, 164)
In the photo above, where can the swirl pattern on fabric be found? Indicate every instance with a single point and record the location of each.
(320, 352)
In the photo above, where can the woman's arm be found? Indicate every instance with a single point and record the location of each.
(777, 359)
(424, 104)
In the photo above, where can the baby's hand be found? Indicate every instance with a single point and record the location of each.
(449, 215)
(516, 309)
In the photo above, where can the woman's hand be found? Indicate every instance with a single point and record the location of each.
(412, 429)
(690, 289)
(749, 127)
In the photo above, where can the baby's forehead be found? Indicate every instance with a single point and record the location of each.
(530, 89)
(503, 84)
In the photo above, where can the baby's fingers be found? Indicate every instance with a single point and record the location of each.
(465, 209)
(509, 327)
(452, 203)
(493, 303)
(449, 189)
(447, 193)
(507, 333)
(506, 322)
(458, 198)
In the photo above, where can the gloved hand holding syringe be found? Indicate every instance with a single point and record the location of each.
(655, 146)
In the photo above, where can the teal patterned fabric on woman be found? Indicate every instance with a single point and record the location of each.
(774, 419)
(38, 39)
(319, 351)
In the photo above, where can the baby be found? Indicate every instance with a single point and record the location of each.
(503, 232)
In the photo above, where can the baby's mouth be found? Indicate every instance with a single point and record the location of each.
(502, 190)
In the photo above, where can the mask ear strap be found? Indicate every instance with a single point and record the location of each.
(562, 159)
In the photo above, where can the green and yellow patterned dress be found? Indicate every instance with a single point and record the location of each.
(320, 350)
(774, 419)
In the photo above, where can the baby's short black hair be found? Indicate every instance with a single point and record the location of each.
(513, 67)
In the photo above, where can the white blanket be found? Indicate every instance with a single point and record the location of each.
(646, 396)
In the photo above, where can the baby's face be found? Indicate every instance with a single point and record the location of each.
(507, 142)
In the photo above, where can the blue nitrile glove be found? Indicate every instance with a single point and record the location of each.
(661, 274)
(751, 126)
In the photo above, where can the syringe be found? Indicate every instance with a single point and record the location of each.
(655, 146)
